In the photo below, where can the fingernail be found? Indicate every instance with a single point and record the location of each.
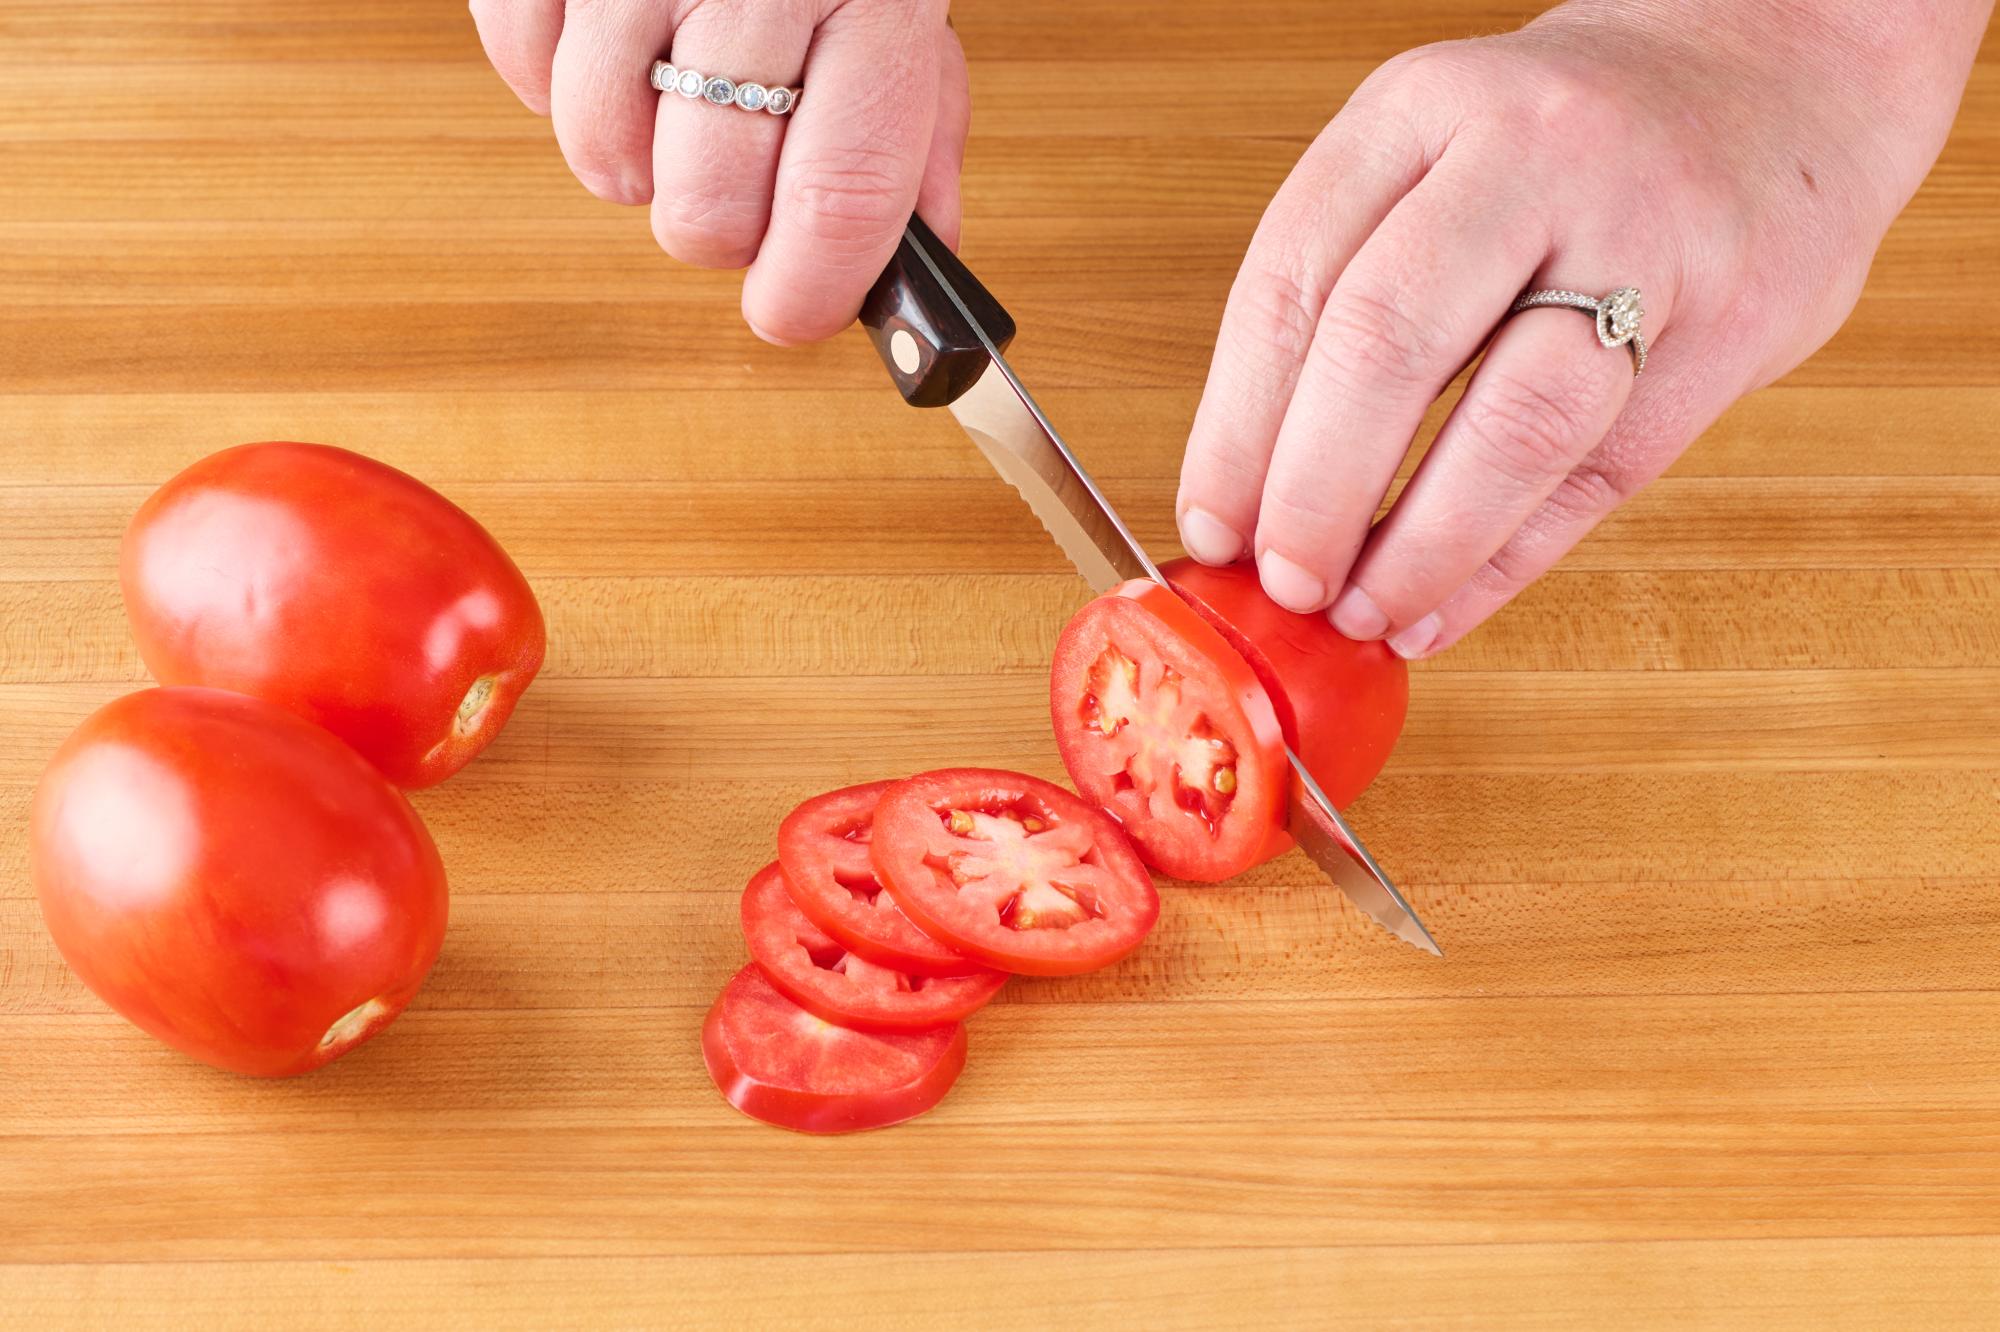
(1209, 539)
(1289, 585)
(1418, 639)
(1356, 615)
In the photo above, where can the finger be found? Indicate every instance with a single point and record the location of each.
(849, 171)
(713, 166)
(1663, 416)
(938, 197)
(520, 39)
(600, 96)
(1337, 195)
(1542, 398)
(1412, 308)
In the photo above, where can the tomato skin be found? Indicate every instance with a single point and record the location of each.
(1086, 851)
(1341, 702)
(234, 880)
(776, 1062)
(790, 949)
(1148, 628)
(340, 589)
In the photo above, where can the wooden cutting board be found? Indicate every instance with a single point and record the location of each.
(1708, 822)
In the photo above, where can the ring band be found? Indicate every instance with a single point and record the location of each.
(719, 91)
(1618, 317)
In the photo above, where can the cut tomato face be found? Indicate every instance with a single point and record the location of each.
(1341, 703)
(816, 973)
(824, 848)
(1013, 871)
(1165, 725)
(776, 1062)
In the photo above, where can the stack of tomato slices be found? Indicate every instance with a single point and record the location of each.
(894, 912)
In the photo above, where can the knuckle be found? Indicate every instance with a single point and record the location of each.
(1307, 518)
(1577, 109)
(1224, 463)
(1527, 431)
(614, 167)
(849, 202)
(701, 224)
(1594, 488)
(1278, 311)
(1368, 343)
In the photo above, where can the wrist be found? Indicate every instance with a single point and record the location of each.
(1875, 80)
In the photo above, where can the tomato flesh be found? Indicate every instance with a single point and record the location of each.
(1164, 725)
(1013, 871)
(234, 880)
(340, 589)
(812, 970)
(824, 847)
(1341, 703)
(776, 1062)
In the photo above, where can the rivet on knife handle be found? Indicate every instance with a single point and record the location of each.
(932, 351)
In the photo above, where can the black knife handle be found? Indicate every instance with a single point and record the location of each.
(941, 355)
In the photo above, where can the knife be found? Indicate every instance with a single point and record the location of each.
(942, 336)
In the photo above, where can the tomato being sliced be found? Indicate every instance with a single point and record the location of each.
(1013, 871)
(235, 880)
(824, 846)
(1165, 725)
(1341, 703)
(823, 978)
(776, 1062)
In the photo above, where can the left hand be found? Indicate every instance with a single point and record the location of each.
(1737, 163)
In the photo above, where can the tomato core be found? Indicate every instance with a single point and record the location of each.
(1163, 743)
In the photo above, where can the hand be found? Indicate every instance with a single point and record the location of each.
(813, 203)
(1739, 163)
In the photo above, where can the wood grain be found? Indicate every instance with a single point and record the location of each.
(1708, 820)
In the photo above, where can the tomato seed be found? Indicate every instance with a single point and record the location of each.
(960, 822)
(1225, 781)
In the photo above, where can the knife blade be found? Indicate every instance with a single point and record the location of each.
(943, 338)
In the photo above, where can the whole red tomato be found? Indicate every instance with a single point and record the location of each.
(235, 880)
(338, 588)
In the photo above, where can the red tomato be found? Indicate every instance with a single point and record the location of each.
(826, 980)
(776, 1062)
(823, 845)
(1341, 703)
(339, 589)
(1013, 871)
(235, 880)
(1163, 724)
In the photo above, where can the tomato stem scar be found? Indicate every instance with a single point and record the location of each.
(473, 704)
(354, 1024)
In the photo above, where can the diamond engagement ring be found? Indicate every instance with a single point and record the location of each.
(1618, 317)
(715, 89)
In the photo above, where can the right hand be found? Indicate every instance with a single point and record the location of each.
(812, 203)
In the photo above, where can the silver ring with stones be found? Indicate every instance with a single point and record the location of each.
(719, 91)
(1618, 317)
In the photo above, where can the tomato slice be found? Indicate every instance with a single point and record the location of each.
(824, 846)
(820, 976)
(776, 1062)
(1341, 703)
(1165, 725)
(1013, 871)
